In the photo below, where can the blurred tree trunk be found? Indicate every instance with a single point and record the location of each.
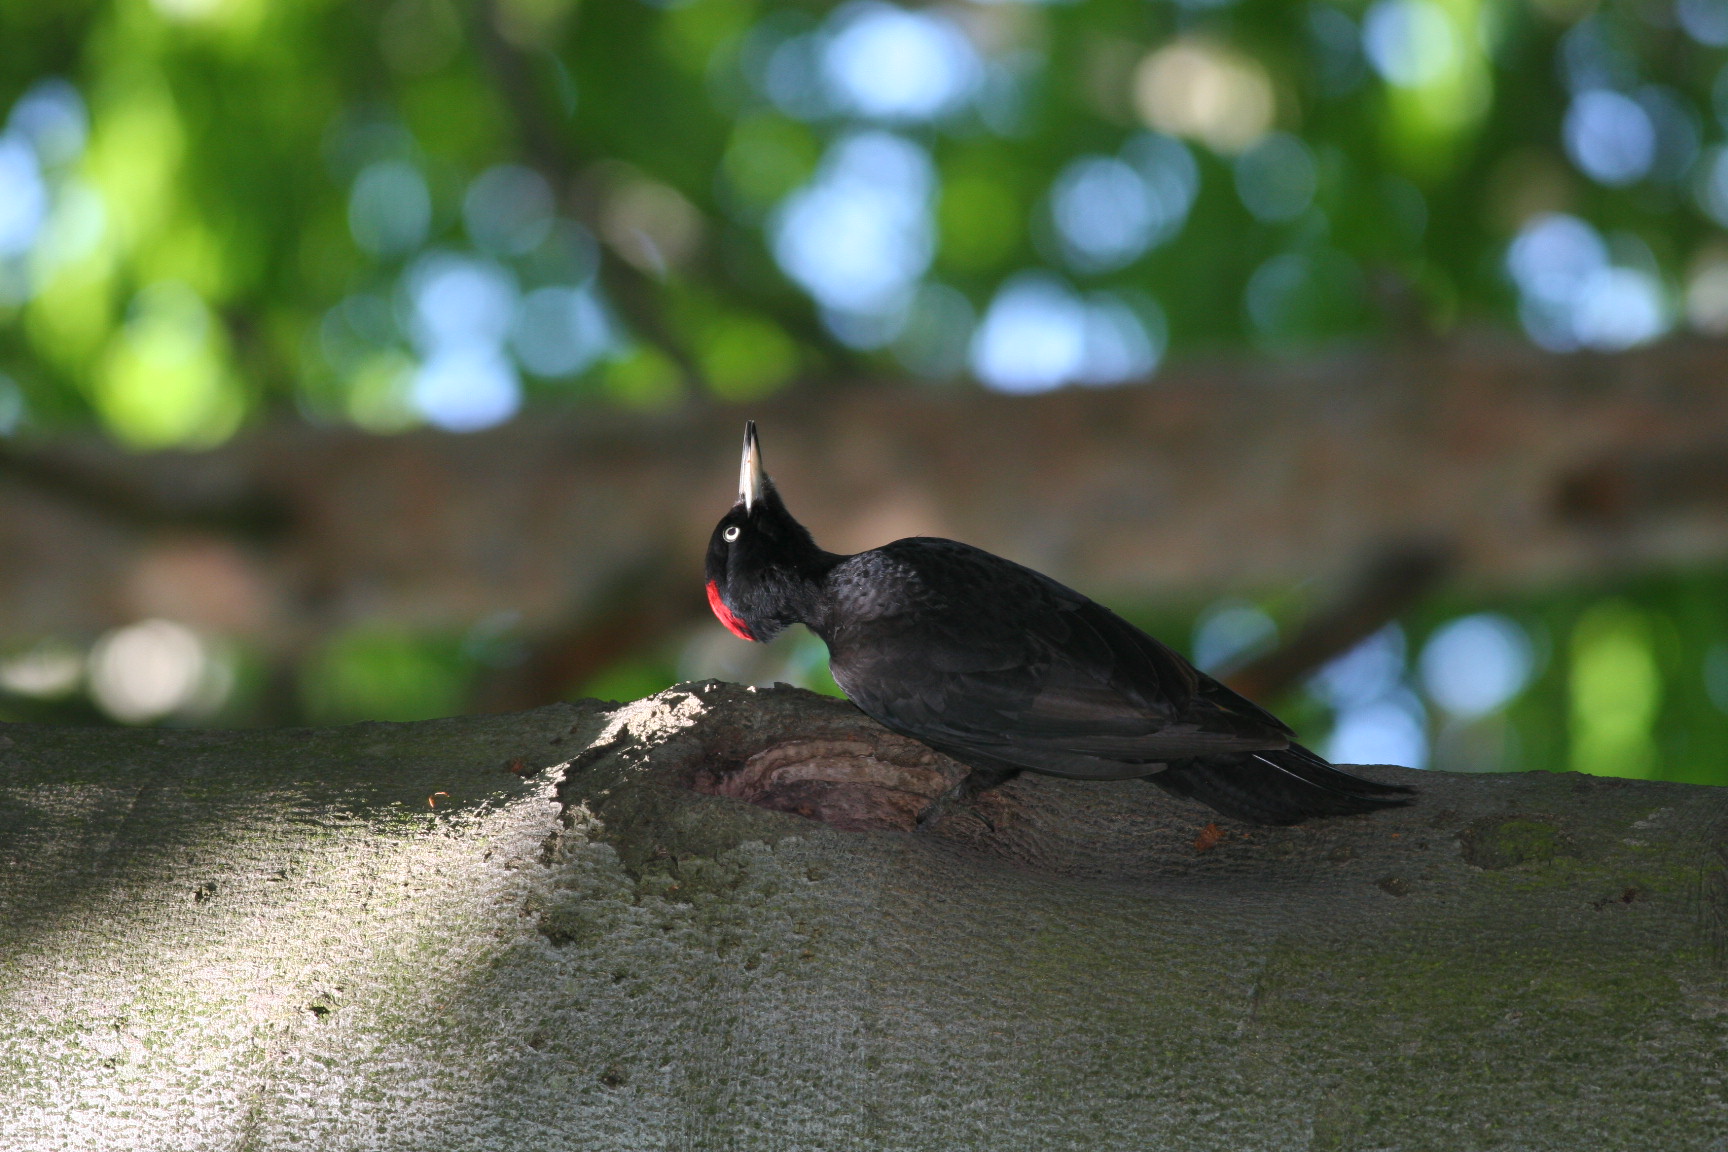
(538, 931)
(1522, 467)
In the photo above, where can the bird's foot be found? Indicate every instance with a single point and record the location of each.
(966, 793)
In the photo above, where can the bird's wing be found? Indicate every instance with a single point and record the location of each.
(1063, 686)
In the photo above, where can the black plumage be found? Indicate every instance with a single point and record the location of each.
(1006, 670)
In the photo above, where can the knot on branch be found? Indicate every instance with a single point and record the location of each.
(856, 785)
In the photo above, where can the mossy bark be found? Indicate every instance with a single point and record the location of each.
(543, 931)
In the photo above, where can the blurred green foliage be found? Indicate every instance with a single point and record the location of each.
(1626, 678)
(229, 238)
(386, 674)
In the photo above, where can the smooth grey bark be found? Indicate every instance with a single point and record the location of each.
(269, 940)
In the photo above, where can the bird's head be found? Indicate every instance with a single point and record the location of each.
(760, 560)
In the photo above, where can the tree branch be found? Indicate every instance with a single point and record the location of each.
(1393, 583)
(280, 939)
(256, 517)
(1641, 485)
(1219, 477)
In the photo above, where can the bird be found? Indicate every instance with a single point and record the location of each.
(1005, 670)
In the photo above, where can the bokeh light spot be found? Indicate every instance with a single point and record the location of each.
(13, 409)
(1123, 342)
(1474, 665)
(508, 210)
(1104, 213)
(1610, 137)
(746, 357)
(23, 196)
(1593, 55)
(1674, 118)
(782, 57)
(561, 331)
(1337, 48)
(1229, 631)
(188, 10)
(1712, 185)
(1388, 731)
(1707, 295)
(1298, 297)
(1277, 178)
(860, 235)
(1616, 690)
(1109, 211)
(1716, 675)
(459, 300)
(165, 380)
(389, 208)
(650, 224)
(1172, 177)
(1204, 91)
(1033, 337)
(49, 670)
(885, 63)
(1706, 21)
(1552, 253)
(466, 388)
(643, 378)
(1369, 671)
(74, 232)
(52, 116)
(148, 670)
(1619, 308)
(379, 387)
(1038, 335)
(1573, 297)
(1410, 43)
(1378, 719)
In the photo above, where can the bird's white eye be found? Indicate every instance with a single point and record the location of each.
(731, 534)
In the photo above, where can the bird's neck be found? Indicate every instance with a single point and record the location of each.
(794, 589)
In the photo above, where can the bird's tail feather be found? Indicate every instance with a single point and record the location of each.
(1286, 786)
